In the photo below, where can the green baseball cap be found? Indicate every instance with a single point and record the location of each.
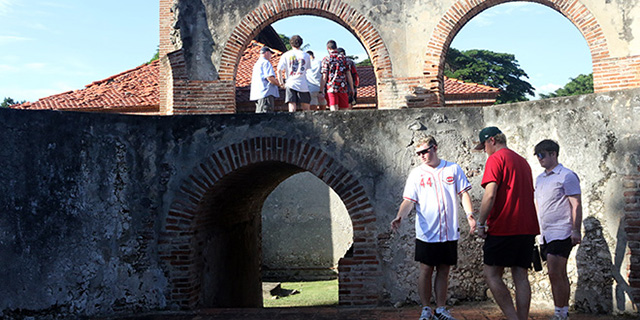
(485, 134)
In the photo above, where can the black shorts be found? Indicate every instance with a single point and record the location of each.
(297, 96)
(437, 253)
(508, 251)
(557, 248)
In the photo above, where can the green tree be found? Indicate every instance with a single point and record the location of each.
(286, 39)
(365, 62)
(9, 102)
(155, 56)
(498, 70)
(581, 84)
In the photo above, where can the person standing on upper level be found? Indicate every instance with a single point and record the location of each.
(264, 85)
(336, 78)
(293, 67)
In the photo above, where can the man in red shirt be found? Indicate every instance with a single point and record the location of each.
(507, 221)
(336, 75)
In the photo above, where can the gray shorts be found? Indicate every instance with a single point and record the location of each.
(265, 104)
(317, 99)
(297, 96)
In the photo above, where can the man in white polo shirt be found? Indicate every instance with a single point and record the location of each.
(432, 188)
(559, 206)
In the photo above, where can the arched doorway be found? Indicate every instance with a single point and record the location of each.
(210, 244)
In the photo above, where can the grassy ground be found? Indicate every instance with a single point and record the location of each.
(313, 293)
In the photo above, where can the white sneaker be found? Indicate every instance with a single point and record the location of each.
(443, 314)
(559, 317)
(426, 314)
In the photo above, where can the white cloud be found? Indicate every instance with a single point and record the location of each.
(5, 6)
(8, 39)
(36, 66)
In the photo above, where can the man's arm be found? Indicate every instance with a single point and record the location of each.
(576, 216)
(405, 208)
(323, 82)
(488, 199)
(350, 81)
(468, 209)
(273, 81)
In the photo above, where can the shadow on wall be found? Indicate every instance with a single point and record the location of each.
(595, 283)
(622, 289)
(306, 229)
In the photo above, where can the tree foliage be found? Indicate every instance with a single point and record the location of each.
(498, 70)
(9, 102)
(155, 56)
(365, 62)
(582, 84)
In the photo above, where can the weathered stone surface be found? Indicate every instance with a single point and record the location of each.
(85, 198)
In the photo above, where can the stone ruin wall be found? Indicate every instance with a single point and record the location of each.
(86, 205)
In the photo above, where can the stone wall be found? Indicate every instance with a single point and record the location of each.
(107, 214)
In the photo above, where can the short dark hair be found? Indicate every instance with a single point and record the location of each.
(341, 51)
(296, 41)
(547, 145)
(311, 53)
(332, 45)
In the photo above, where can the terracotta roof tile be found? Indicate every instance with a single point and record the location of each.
(136, 90)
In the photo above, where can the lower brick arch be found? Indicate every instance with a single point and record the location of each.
(464, 10)
(210, 240)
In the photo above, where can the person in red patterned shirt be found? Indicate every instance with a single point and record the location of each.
(354, 75)
(336, 78)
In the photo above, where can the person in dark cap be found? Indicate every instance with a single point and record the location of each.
(507, 221)
(264, 85)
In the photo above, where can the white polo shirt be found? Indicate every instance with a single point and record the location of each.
(554, 209)
(435, 191)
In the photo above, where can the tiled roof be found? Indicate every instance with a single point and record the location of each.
(136, 90)
(455, 86)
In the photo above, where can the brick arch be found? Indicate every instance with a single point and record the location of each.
(274, 10)
(465, 10)
(188, 217)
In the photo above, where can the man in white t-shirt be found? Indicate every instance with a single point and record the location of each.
(559, 206)
(433, 188)
(293, 67)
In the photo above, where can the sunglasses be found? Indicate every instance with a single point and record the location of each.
(424, 151)
(540, 155)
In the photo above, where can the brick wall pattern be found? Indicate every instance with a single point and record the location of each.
(631, 187)
(359, 270)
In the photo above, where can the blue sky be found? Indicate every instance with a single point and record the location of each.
(52, 46)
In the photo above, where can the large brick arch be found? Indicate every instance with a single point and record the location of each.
(465, 10)
(274, 10)
(264, 162)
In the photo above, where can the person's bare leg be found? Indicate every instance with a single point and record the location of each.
(523, 291)
(424, 284)
(305, 106)
(292, 107)
(560, 287)
(442, 284)
(493, 276)
(334, 107)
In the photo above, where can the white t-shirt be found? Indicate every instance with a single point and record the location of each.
(554, 209)
(435, 192)
(295, 63)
